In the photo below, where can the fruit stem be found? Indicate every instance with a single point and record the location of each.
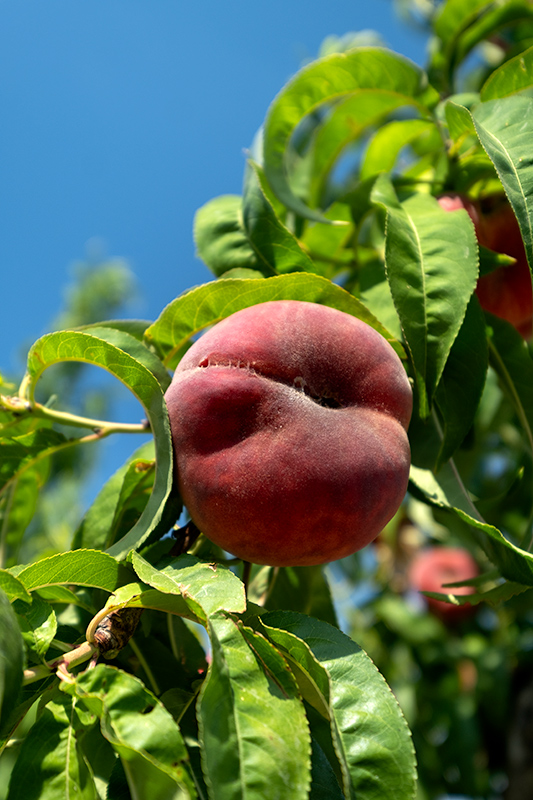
(102, 427)
(63, 663)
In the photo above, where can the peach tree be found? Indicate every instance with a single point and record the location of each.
(148, 662)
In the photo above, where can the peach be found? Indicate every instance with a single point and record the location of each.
(289, 429)
(506, 292)
(435, 566)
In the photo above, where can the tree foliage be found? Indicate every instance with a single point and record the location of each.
(230, 680)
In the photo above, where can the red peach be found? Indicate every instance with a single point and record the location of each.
(507, 291)
(435, 566)
(289, 429)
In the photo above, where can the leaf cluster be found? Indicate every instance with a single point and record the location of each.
(238, 681)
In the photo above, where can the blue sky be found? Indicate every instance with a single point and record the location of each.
(121, 118)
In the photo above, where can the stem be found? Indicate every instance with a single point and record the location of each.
(65, 662)
(144, 663)
(101, 426)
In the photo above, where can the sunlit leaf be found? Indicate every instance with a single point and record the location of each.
(213, 586)
(78, 567)
(513, 76)
(255, 739)
(332, 79)
(208, 304)
(385, 145)
(505, 128)
(84, 347)
(370, 734)
(140, 730)
(432, 266)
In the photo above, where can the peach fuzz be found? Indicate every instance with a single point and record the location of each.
(289, 429)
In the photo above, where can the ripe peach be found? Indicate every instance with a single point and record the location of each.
(435, 566)
(505, 292)
(289, 429)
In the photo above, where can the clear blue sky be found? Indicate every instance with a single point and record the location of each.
(121, 117)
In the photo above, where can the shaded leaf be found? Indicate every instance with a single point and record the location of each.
(220, 237)
(443, 491)
(41, 624)
(11, 655)
(50, 766)
(277, 250)
(463, 378)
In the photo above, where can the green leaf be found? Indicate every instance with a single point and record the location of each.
(253, 731)
(13, 588)
(328, 80)
(21, 452)
(276, 249)
(140, 730)
(77, 346)
(136, 349)
(510, 358)
(78, 567)
(303, 589)
(21, 503)
(494, 596)
(41, 624)
(505, 128)
(212, 586)
(389, 139)
(11, 655)
(324, 785)
(50, 765)
(443, 491)
(135, 327)
(346, 123)
(220, 238)
(102, 523)
(431, 258)
(463, 378)
(208, 304)
(121, 502)
(139, 595)
(513, 76)
(370, 735)
(330, 246)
